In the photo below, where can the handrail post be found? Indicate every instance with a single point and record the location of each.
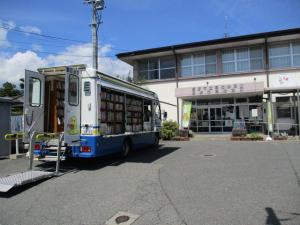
(60, 138)
(298, 106)
(17, 147)
(31, 147)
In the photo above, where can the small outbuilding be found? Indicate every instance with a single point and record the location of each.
(5, 112)
(11, 120)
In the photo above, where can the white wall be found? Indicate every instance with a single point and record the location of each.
(166, 93)
(284, 79)
(166, 89)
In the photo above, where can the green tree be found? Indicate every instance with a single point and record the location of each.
(9, 90)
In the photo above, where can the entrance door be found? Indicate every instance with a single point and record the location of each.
(215, 119)
(72, 107)
(34, 102)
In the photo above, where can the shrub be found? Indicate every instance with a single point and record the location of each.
(169, 130)
(191, 134)
(239, 132)
(255, 136)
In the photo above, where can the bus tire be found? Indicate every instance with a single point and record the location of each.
(126, 148)
(156, 141)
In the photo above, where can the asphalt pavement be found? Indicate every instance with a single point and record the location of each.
(194, 182)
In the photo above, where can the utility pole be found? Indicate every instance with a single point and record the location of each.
(226, 35)
(97, 7)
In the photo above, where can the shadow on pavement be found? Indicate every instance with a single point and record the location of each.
(273, 219)
(146, 155)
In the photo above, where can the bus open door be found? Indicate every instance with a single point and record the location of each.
(34, 102)
(72, 107)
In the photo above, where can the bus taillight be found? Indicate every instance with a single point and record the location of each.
(85, 149)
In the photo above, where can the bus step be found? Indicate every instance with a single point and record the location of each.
(54, 148)
(53, 142)
(19, 179)
(52, 158)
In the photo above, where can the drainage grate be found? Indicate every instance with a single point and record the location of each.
(122, 219)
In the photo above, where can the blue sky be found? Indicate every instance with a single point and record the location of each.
(130, 25)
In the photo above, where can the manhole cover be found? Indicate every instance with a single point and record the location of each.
(122, 219)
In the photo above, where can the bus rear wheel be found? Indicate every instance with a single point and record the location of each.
(156, 141)
(126, 148)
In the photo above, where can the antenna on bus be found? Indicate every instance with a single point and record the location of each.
(97, 8)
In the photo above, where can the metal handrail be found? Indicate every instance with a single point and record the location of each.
(45, 136)
(13, 136)
(276, 126)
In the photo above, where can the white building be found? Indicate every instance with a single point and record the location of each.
(228, 80)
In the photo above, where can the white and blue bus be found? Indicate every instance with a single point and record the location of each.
(97, 113)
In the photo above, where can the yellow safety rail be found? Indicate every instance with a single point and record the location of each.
(46, 136)
(11, 137)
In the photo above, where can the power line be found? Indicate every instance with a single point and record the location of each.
(10, 28)
(111, 47)
(22, 42)
(62, 54)
(43, 44)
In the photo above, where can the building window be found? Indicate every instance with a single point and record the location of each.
(242, 60)
(167, 68)
(158, 68)
(284, 55)
(199, 64)
(283, 107)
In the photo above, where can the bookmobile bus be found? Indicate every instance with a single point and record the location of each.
(77, 112)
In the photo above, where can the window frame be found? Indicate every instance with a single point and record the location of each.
(291, 54)
(159, 69)
(236, 60)
(204, 64)
(77, 96)
(31, 91)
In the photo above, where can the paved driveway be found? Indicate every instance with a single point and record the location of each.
(196, 182)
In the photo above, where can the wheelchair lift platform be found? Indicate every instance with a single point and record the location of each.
(20, 179)
(30, 176)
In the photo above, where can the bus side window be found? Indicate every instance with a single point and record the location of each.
(147, 113)
(34, 92)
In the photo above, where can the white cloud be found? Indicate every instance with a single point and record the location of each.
(12, 67)
(4, 43)
(36, 47)
(31, 29)
(109, 65)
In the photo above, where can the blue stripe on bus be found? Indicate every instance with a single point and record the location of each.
(101, 145)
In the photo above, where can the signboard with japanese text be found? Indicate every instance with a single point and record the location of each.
(220, 89)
